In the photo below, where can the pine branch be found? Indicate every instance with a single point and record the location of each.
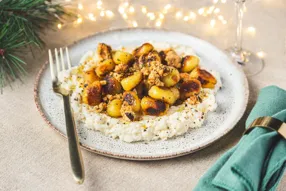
(21, 23)
(10, 65)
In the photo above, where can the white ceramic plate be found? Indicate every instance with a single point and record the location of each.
(232, 98)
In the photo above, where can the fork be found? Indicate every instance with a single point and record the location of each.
(74, 151)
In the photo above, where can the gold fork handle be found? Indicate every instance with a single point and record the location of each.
(74, 151)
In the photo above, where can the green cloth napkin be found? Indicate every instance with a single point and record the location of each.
(258, 161)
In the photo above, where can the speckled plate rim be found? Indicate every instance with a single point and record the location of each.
(141, 158)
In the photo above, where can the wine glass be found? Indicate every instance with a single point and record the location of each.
(250, 62)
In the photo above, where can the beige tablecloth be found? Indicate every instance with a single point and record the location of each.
(34, 157)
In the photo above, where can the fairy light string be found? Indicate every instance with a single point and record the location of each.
(156, 18)
(128, 12)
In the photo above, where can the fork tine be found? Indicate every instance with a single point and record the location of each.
(57, 60)
(62, 59)
(51, 64)
(68, 58)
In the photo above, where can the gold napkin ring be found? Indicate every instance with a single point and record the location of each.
(269, 123)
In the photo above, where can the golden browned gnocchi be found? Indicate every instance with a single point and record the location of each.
(189, 87)
(143, 49)
(90, 76)
(113, 108)
(104, 51)
(207, 79)
(104, 67)
(172, 78)
(189, 63)
(144, 82)
(168, 95)
(112, 86)
(132, 99)
(152, 106)
(132, 81)
(120, 57)
(92, 94)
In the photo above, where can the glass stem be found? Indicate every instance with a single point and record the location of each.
(239, 4)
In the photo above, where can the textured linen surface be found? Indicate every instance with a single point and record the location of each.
(35, 157)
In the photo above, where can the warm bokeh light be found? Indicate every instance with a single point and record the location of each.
(102, 13)
(134, 24)
(156, 18)
(151, 16)
(260, 54)
(193, 15)
(179, 14)
(212, 22)
(158, 23)
(201, 11)
(79, 20)
(80, 6)
(125, 16)
(168, 6)
(210, 10)
(186, 18)
(99, 4)
(91, 17)
(251, 30)
(59, 26)
(144, 10)
(131, 9)
(121, 10)
(220, 17)
(217, 10)
(109, 13)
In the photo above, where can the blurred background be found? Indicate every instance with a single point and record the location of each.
(264, 33)
(211, 20)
